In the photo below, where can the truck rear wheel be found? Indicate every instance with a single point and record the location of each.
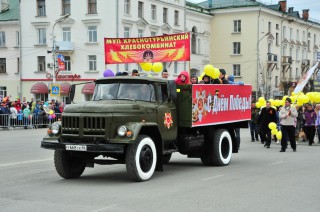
(220, 148)
(67, 165)
(141, 159)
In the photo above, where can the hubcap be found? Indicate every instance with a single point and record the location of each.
(146, 158)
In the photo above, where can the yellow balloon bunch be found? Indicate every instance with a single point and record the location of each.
(272, 126)
(211, 71)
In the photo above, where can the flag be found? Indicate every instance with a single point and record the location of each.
(61, 63)
(303, 81)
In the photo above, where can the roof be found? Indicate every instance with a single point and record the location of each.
(224, 4)
(11, 14)
(219, 4)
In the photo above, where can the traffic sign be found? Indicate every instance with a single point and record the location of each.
(55, 90)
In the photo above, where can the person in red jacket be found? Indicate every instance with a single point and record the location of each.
(183, 78)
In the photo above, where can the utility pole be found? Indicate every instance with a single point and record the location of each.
(53, 46)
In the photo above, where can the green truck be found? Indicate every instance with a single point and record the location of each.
(140, 122)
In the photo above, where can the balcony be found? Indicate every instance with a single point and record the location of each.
(64, 46)
(272, 58)
(286, 60)
(305, 63)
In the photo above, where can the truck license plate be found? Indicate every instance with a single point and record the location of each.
(76, 147)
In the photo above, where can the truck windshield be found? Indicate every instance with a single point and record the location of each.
(121, 91)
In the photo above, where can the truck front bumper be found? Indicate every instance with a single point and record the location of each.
(53, 143)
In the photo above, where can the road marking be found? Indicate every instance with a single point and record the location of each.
(211, 178)
(275, 163)
(24, 162)
(106, 208)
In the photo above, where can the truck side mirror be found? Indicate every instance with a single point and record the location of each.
(72, 91)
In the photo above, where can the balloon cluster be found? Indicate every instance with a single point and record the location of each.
(211, 71)
(156, 67)
(274, 131)
(299, 99)
(51, 115)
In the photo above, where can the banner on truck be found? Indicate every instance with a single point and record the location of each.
(166, 48)
(220, 104)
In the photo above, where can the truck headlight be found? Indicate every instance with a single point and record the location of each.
(122, 130)
(55, 128)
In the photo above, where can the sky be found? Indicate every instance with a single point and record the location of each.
(299, 5)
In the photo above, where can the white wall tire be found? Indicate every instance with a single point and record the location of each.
(219, 143)
(141, 159)
(225, 148)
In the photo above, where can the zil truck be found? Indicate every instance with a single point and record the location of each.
(140, 122)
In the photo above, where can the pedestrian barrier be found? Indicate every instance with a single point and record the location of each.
(11, 121)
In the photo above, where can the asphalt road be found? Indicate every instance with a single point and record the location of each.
(257, 179)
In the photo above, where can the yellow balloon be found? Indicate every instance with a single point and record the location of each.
(272, 102)
(258, 105)
(272, 125)
(147, 66)
(279, 135)
(293, 93)
(208, 70)
(293, 98)
(261, 99)
(51, 112)
(316, 98)
(274, 131)
(216, 73)
(305, 99)
(157, 67)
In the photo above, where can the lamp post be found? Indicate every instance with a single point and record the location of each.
(258, 60)
(53, 46)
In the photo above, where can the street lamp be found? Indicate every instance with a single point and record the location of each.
(258, 60)
(53, 45)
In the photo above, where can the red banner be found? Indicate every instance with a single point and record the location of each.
(220, 104)
(167, 48)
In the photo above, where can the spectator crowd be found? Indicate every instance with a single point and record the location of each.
(28, 113)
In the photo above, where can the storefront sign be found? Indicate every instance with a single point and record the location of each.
(59, 76)
(217, 104)
(167, 48)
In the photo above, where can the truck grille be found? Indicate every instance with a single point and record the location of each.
(93, 126)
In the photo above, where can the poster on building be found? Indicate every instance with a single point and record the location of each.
(220, 104)
(61, 63)
(166, 48)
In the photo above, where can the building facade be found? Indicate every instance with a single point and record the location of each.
(268, 46)
(9, 49)
(77, 31)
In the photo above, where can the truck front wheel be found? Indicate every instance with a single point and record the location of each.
(141, 159)
(220, 148)
(67, 165)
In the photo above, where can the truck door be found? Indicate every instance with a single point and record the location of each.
(166, 114)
